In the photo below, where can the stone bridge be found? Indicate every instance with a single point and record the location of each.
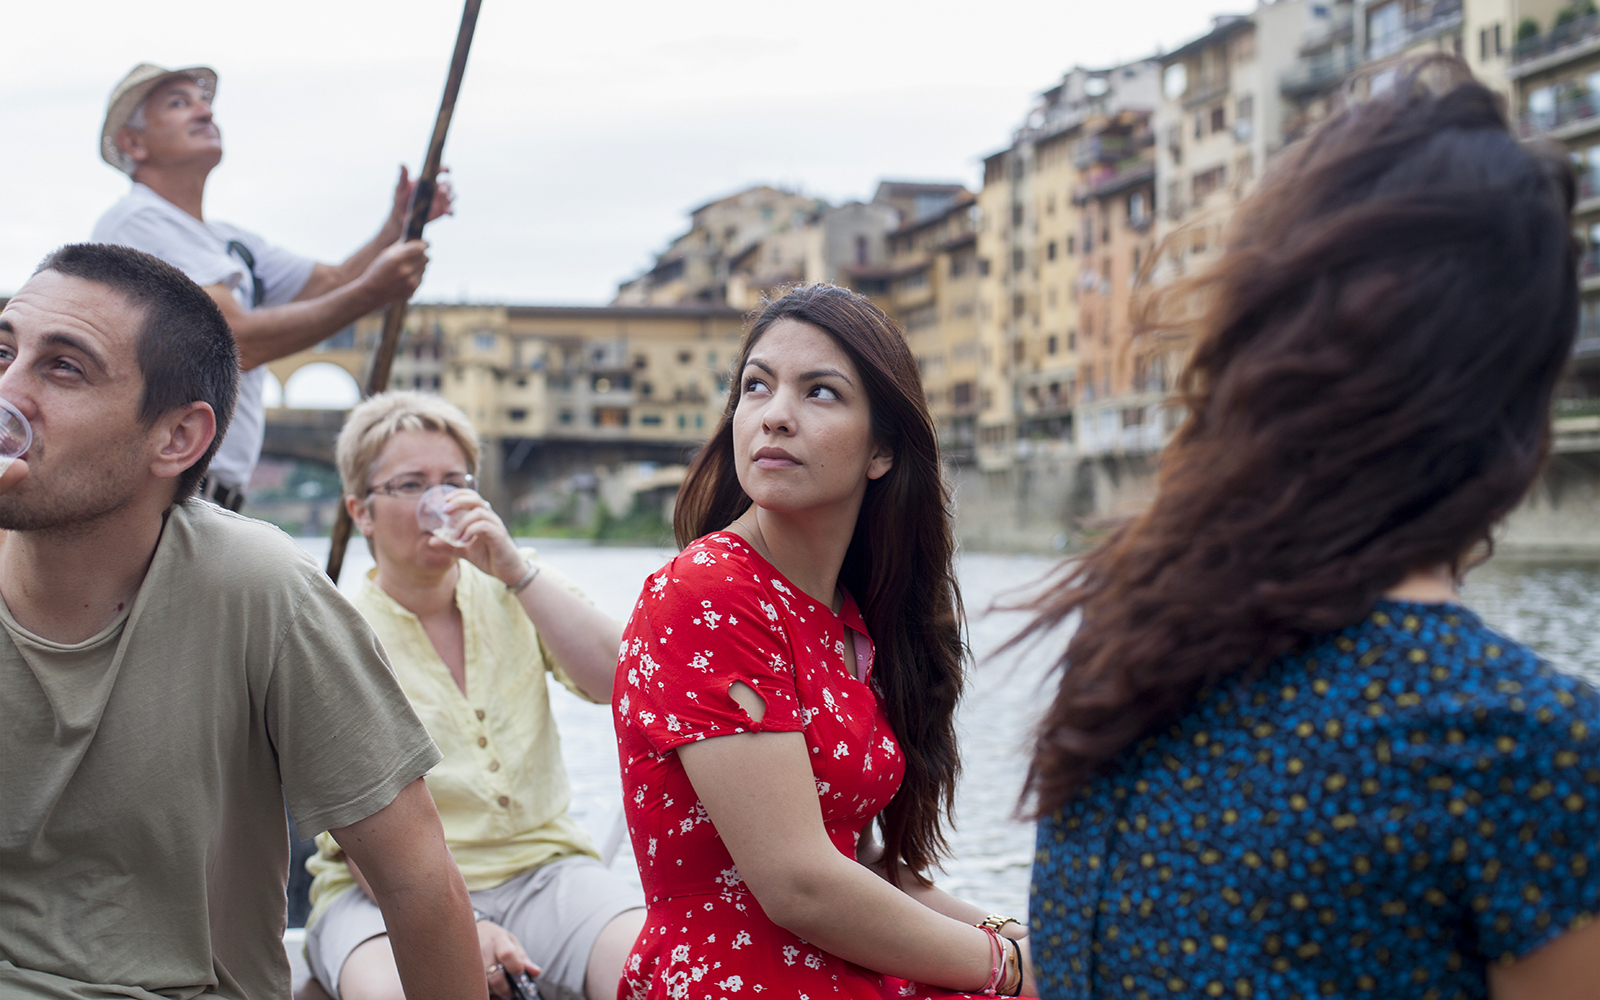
(304, 435)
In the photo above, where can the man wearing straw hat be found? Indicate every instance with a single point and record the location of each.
(159, 131)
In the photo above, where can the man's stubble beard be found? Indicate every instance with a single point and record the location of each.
(74, 505)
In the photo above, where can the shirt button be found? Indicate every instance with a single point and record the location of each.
(483, 741)
(494, 765)
(479, 713)
(505, 800)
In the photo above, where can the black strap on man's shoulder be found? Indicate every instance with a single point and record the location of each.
(259, 291)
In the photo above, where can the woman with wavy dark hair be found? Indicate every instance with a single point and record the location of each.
(792, 675)
(1283, 759)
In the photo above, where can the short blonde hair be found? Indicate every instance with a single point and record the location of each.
(373, 422)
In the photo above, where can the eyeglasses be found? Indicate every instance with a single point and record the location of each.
(412, 487)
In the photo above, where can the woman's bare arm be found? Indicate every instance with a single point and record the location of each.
(759, 790)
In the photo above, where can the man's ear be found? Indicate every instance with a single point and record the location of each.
(882, 461)
(131, 142)
(181, 438)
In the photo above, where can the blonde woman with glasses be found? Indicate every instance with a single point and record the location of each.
(472, 629)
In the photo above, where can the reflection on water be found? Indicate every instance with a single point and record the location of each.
(1550, 606)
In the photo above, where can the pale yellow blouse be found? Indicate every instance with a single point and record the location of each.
(501, 789)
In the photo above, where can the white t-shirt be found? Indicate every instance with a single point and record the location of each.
(146, 221)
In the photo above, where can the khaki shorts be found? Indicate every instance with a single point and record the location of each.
(556, 911)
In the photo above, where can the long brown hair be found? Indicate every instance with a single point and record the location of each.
(1376, 353)
(898, 566)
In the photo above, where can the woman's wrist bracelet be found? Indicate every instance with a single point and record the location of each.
(1013, 988)
(527, 578)
(997, 960)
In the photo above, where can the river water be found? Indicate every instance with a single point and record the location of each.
(1553, 607)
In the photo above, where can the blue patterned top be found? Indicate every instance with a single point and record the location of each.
(1378, 816)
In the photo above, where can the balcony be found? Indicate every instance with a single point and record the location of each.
(1588, 343)
(1560, 41)
(1318, 72)
(1431, 18)
(1335, 27)
(1588, 192)
(1581, 107)
(1205, 90)
(1109, 180)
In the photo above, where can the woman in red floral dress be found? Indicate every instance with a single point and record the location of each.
(763, 733)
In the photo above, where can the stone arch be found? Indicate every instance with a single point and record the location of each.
(321, 385)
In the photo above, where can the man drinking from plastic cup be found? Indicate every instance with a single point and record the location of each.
(171, 673)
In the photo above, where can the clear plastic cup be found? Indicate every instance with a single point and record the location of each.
(16, 435)
(431, 516)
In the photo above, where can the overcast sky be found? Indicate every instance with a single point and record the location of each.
(584, 132)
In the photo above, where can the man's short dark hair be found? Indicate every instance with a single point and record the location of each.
(185, 349)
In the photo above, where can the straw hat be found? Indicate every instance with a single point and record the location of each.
(131, 92)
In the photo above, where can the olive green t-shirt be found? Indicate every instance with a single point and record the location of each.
(143, 771)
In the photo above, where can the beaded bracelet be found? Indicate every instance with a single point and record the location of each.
(997, 959)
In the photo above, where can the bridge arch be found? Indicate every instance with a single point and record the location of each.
(321, 385)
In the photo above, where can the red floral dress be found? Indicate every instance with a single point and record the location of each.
(716, 614)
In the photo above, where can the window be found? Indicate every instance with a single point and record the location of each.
(1138, 208)
(1050, 205)
(682, 421)
(1019, 304)
(1051, 344)
(646, 389)
(1483, 44)
(1072, 340)
(565, 417)
(1208, 181)
(650, 419)
(1245, 109)
(483, 341)
(683, 357)
(1385, 30)
(861, 250)
(1071, 246)
(958, 265)
(1199, 126)
(1019, 351)
(1542, 107)
(1016, 215)
(641, 361)
(1219, 118)
(518, 414)
(1018, 260)
(1499, 41)
(1050, 251)
(961, 394)
(983, 267)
